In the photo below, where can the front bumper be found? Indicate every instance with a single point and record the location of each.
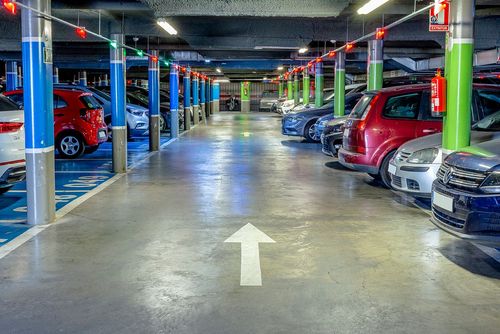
(475, 217)
(356, 161)
(414, 179)
(15, 173)
(291, 128)
(326, 143)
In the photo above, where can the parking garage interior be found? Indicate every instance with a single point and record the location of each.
(250, 166)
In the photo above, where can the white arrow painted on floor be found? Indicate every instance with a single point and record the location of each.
(249, 236)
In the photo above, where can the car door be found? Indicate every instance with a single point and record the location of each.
(427, 124)
(61, 114)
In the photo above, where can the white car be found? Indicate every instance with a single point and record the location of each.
(12, 158)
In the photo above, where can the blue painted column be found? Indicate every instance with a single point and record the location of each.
(19, 76)
(196, 100)
(118, 91)
(203, 99)
(174, 101)
(154, 102)
(38, 112)
(216, 97)
(105, 81)
(82, 81)
(209, 98)
(11, 75)
(186, 82)
(55, 77)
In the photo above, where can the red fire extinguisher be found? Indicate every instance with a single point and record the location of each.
(438, 94)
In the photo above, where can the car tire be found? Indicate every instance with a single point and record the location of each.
(384, 170)
(163, 124)
(5, 189)
(70, 145)
(334, 146)
(307, 132)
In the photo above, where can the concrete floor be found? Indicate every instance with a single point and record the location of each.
(147, 255)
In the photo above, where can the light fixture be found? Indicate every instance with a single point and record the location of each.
(218, 70)
(113, 44)
(280, 68)
(303, 50)
(371, 6)
(81, 32)
(264, 78)
(139, 53)
(166, 26)
(10, 6)
(207, 61)
(222, 80)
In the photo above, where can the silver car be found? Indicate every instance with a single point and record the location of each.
(415, 165)
(268, 99)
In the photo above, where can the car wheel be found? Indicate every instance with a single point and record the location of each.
(70, 145)
(163, 124)
(5, 189)
(310, 132)
(335, 146)
(384, 170)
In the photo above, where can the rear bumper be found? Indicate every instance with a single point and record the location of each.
(474, 218)
(356, 161)
(15, 172)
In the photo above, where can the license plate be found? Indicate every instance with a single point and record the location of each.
(442, 201)
(392, 169)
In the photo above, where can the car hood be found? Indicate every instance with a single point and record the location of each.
(311, 112)
(435, 140)
(481, 157)
(136, 107)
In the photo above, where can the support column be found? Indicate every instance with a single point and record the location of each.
(203, 99)
(216, 97)
(375, 64)
(38, 113)
(55, 78)
(296, 97)
(320, 83)
(245, 96)
(83, 78)
(280, 87)
(11, 75)
(105, 80)
(339, 104)
(174, 101)
(289, 88)
(209, 98)
(118, 91)
(196, 101)
(20, 76)
(187, 98)
(154, 101)
(306, 84)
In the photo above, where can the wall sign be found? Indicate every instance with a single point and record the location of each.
(439, 17)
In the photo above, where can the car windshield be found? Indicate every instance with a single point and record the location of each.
(489, 123)
(140, 96)
(330, 97)
(489, 101)
(361, 108)
(100, 94)
(7, 105)
(329, 105)
(90, 102)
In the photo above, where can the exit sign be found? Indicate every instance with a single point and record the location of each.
(440, 20)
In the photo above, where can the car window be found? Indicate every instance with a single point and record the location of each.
(17, 99)
(270, 94)
(489, 123)
(489, 100)
(90, 102)
(361, 108)
(8, 105)
(402, 106)
(102, 95)
(59, 102)
(350, 103)
(425, 108)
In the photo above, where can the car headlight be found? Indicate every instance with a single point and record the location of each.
(425, 156)
(492, 183)
(135, 112)
(294, 119)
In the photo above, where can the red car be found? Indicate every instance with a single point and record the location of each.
(384, 120)
(78, 121)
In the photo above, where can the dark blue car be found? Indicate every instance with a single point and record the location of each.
(466, 194)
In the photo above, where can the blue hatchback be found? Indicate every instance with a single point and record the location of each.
(466, 194)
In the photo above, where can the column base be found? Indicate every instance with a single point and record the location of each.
(174, 123)
(245, 106)
(154, 132)
(215, 106)
(40, 185)
(187, 119)
(196, 114)
(203, 112)
(119, 149)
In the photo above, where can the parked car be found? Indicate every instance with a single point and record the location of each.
(321, 123)
(466, 194)
(384, 121)
(12, 159)
(302, 123)
(79, 125)
(137, 116)
(267, 100)
(416, 163)
(331, 138)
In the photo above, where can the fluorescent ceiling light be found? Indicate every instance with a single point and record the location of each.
(218, 70)
(222, 80)
(371, 6)
(280, 68)
(302, 50)
(265, 78)
(272, 47)
(165, 25)
(207, 61)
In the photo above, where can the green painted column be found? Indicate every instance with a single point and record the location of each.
(375, 64)
(245, 96)
(306, 84)
(456, 133)
(447, 68)
(296, 97)
(289, 89)
(280, 87)
(320, 83)
(339, 100)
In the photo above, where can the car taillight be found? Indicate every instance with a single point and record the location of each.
(6, 127)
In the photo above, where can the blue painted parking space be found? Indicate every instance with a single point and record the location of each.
(74, 178)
